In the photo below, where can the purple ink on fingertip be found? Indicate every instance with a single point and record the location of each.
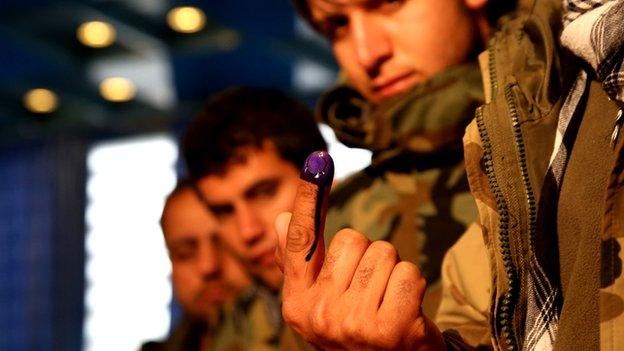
(318, 168)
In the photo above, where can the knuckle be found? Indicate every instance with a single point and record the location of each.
(383, 250)
(349, 237)
(410, 281)
(299, 238)
(363, 275)
(327, 271)
(320, 321)
(408, 270)
(292, 315)
(353, 330)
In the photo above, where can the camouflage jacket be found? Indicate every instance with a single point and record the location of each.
(508, 148)
(252, 323)
(415, 193)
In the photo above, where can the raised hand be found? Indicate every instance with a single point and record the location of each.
(358, 296)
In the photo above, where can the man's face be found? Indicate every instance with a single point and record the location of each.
(387, 46)
(246, 200)
(204, 276)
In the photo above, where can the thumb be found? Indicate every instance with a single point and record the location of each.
(281, 227)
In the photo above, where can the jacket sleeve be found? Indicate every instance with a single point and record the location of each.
(464, 309)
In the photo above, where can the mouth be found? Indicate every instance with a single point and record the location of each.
(386, 88)
(216, 293)
(265, 258)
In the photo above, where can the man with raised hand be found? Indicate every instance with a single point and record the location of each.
(550, 230)
(408, 87)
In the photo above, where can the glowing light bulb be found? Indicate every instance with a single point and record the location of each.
(117, 89)
(41, 100)
(96, 34)
(186, 19)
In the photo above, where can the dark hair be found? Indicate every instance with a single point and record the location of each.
(239, 118)
(494, 9)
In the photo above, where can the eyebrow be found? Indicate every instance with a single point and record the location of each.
(333, 8)
(324, 12)
(191, 239)
(257, 186)
(335, 5)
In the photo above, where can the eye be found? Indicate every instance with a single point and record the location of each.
(334, 26)
(222, 211)
(263, 190)
(183, 251)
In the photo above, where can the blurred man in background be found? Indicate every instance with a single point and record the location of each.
(205, 277)
(243, 153)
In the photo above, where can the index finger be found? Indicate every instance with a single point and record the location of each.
(304, 251)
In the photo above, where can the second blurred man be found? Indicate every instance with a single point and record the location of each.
(244, 153)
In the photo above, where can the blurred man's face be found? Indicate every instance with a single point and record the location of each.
(387, 46)
(246, 200)
(204, 276)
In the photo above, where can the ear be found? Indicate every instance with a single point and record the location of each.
(475, 5)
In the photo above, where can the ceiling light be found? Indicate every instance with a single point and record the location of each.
(41, 100)
(96, 34)
(186, 19)
(117, 89)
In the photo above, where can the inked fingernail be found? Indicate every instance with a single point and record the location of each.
(318, 168)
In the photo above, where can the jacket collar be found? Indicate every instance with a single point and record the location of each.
(429, 118)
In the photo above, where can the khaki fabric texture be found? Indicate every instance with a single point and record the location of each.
(415, 193)
(466, 280)
(241, 329)
(530, 78)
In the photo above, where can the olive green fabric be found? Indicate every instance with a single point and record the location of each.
(579, 239)
(507, 150)
(252, 323)
(415, 193)
(187, 336)
(515, 134)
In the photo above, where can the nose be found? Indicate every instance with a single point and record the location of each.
(371, 42)
(250, 224)
(208, 261)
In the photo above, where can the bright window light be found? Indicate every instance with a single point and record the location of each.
(127, 270)
(308, 76)
(347, 160)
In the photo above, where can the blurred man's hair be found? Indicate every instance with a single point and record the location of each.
(238, 119)
(494, 9)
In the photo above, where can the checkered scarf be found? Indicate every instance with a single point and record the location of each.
(593, 31)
